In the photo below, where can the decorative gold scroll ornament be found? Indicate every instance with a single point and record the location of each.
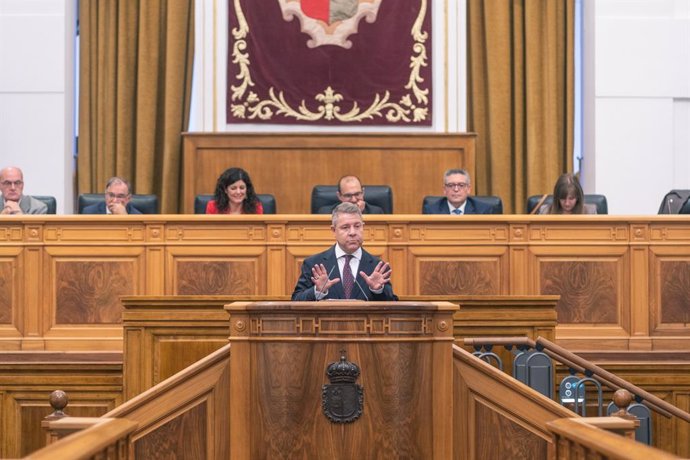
(412, 106)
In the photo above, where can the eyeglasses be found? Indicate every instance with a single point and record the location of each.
(9, 183)
(459, 186)
(349, 196)
(119, 196)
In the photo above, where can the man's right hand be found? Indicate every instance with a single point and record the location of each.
(319, 276)
(118, 208)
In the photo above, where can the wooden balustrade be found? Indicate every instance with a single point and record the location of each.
(91, 439)
(575, 438)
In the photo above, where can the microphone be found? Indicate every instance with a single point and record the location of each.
(668, 203)
(361, 290)
(324, 284)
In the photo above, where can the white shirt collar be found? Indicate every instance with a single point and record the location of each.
(461, 208)
(339, 252)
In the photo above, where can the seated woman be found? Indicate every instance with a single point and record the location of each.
(568, 198)
(234, 194)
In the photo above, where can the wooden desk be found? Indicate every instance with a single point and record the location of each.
(623, 281)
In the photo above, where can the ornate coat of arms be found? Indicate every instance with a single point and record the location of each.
(330, 22)
(342, 399)
(329, 62)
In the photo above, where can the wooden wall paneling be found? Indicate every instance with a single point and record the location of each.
(276, 257)
(628, 308)
(520, 260)
(459, 270)
(594, 285)
(83, 297)
(93, 382)
(217, 270)
(669, 293)
(165, 334)
(12, 313)
(412, 164)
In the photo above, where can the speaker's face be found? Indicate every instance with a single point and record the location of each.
(237, 192)
(116, 197)
(348, 231)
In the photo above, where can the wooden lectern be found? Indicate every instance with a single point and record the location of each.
(393, 358)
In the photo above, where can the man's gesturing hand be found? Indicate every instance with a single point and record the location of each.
(379, 277)
(319, 276)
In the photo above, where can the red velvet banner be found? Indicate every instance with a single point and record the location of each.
(332, 62)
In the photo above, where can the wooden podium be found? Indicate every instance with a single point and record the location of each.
(280, 392)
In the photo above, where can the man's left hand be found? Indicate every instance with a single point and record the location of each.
(379, 277)
(11, 207)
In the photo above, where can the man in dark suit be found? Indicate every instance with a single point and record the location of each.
(350, 190)
(117, 197)
(456, 188)
(329, 275)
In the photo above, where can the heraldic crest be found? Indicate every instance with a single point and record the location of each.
(342, 399)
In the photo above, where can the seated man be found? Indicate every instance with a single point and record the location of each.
(117, 198)
(457, 188)
(350, 190)
(329, 275)
(13, 200)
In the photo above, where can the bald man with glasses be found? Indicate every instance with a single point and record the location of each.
(13, 200)
(457, 200)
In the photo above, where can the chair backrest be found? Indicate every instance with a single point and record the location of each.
(268, 201)
(324, 197)
(685, 209)
(673, 202)
(146, 204)
(597, 200)
(49, 201)
(494, 202)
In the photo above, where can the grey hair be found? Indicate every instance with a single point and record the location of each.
(345, 208)
(118, 180)
(457, 171)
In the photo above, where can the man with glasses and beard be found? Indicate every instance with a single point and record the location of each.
(13, 200)
(457, 200)
(350, 190)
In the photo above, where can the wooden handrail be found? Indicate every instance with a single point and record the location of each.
(82, 445)
(595, 440)
(581, 365)
(613, 378)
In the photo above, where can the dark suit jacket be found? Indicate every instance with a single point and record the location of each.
(472, 207)
(99, 208)
(368, 209)
(304, 290)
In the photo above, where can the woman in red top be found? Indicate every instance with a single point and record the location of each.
(234, 194)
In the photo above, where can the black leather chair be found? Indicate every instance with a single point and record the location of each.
(494, 202)
(146, 204)
(267, 201)
(49, 201)
(597, 200)
(324, 197)
(673, 202)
